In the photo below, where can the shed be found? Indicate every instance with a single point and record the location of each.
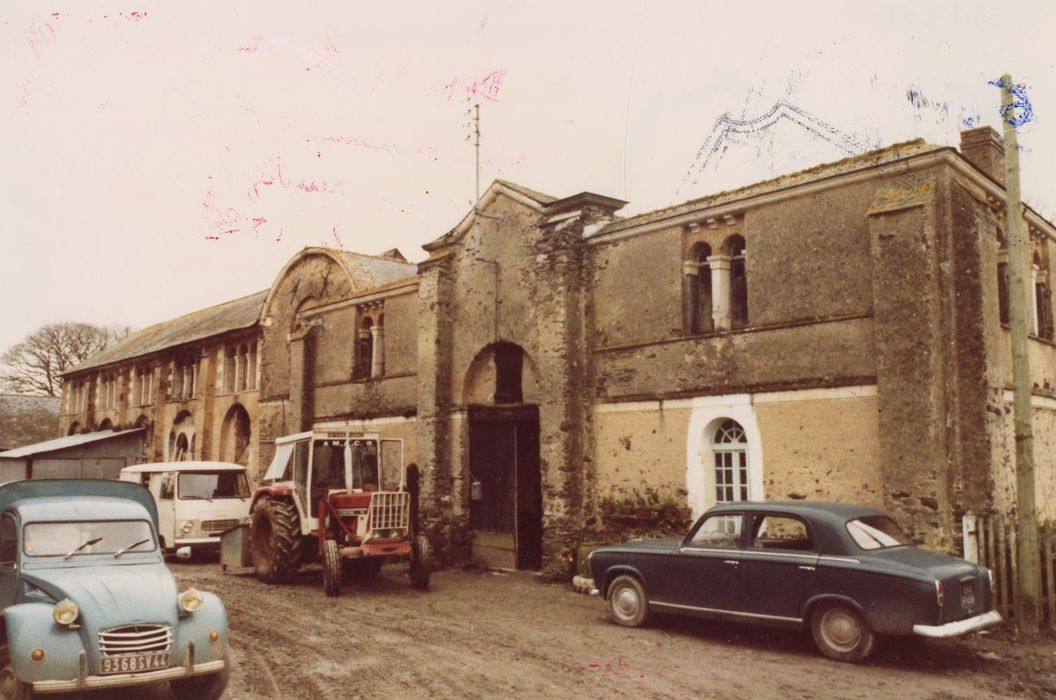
(99, 455)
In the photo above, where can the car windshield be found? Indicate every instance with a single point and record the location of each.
(86, 537)
(876, 532)
(210, 485)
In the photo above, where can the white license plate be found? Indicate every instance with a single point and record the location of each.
(134, 663)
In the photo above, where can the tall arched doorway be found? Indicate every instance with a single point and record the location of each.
(234, 436)
(505, 487)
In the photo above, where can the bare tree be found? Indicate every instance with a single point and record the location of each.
(34, 366)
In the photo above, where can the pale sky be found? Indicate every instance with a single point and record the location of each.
(163, 157)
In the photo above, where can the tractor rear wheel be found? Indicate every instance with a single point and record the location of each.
(421, 562)
(331, 568)
(275, 539)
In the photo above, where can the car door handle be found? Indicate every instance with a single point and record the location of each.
(806, 568)
(732, 562)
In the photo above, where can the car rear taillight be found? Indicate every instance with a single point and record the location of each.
(939, 596)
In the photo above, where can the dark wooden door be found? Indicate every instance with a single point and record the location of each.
(505, 492)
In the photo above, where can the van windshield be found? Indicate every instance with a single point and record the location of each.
(87, 537)
(212, 485)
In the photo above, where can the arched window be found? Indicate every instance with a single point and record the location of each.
(74, 428)
(230, 370)
(364, 350)
(1039, 278)
(738, 283)
(730, 450)
(697, 308)
(107, 424)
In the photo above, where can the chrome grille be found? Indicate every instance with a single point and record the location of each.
(218, 525)
(389, 510)
(135, 639)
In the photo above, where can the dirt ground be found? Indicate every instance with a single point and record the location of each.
(488, 634)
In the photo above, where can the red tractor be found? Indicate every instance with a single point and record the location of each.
(341, 497)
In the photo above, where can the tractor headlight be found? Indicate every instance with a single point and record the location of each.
(191, 600)
(187, 526)
(66, 612)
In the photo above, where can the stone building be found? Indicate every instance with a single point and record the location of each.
(836, 333)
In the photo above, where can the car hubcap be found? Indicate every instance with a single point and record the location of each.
(841, 630)
(626, 602)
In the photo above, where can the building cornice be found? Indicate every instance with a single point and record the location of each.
(738, 204)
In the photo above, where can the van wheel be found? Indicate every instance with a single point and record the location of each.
(841, 633)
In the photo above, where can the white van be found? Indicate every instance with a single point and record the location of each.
(196, 500)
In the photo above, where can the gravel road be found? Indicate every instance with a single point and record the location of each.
(487, 634)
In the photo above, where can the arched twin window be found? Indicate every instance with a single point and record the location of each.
(715, 288)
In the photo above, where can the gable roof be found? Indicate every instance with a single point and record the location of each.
(536, 200)
(197, 325)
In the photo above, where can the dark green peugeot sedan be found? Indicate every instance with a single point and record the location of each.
(847, 572)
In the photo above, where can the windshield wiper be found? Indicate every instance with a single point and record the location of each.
(82, 545)
(131, 546)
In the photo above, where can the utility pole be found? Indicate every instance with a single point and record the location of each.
(1028, 584)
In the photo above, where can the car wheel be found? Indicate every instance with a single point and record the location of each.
(206, 687)
(331, 569)
(627, 602)
(841, 633)
(10, 687)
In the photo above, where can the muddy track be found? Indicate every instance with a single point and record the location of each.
(484, 635)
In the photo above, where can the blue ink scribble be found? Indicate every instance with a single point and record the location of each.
(1020, 101)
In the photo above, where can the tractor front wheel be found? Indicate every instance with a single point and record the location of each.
(331, 568)
(421, 562)
(275, 539)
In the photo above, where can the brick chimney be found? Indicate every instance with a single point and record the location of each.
(983, 149)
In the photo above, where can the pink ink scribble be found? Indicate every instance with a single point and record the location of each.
(270, 179)
(486, 88)
(616, 668)
(337, 238)
(389, 148)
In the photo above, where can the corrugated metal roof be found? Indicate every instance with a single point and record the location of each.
(204, 323)
(63, 443)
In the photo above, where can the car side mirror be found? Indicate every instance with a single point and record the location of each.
(183, 553)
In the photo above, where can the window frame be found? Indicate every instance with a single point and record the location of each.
(688, 543)
(758, 518)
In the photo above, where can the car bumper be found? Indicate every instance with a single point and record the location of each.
(955, 629)
(123, 680)
(199, 543)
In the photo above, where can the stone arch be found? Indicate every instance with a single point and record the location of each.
(182, 443)
(494, 362)
(74, 428)
(107, 424)
(235, 435)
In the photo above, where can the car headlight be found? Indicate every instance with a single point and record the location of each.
(66, 612)
(191, 600)
(187, 526)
